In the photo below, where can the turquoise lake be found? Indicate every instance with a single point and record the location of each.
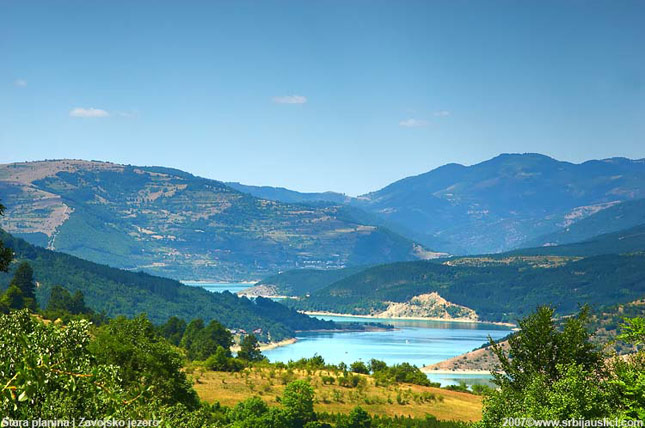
(218, 287)
(417, 342)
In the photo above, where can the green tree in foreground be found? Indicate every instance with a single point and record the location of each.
(630, 371)
(250, 349)
(173, 330)
(48, 372)
(144, 358)
(23, 280)
(358, 418)
(22, 290)
(202, 341)
(5, 253)
(11, 299)
(298, 403)
(550, 373)
(255, 413)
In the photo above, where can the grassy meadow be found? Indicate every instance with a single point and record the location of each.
(398, 399)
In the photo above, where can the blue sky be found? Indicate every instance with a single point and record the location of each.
(320, 95)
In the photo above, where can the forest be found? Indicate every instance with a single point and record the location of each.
(496, 291)
(119, 292)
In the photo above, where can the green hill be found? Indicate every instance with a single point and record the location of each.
(496, 292)
(169, 222)
(120, 292)
(609, 269)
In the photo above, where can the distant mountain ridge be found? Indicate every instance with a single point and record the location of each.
(504, 202)
(624, 241)
(507, 202)
(280, 194)
(170, 222)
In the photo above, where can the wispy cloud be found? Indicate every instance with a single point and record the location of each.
(413, 123)
(21, 83)
(290, 99)
(441, 113)
(88, 112)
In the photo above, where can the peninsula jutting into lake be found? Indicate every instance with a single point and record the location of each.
(322, 214)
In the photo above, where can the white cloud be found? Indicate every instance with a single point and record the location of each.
(88, 112)
(290, 99)
(413, 123)
(441, 113)
(21, 83)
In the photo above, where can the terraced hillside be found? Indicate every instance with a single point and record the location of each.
(170, 222)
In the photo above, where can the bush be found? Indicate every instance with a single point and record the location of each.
(221, 361)
(144, 358)
(298, 402)
(359, 367)
(47, 371)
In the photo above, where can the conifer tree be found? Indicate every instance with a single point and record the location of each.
(23, 279)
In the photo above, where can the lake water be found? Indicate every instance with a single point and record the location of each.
(417, 342)
(218, 287)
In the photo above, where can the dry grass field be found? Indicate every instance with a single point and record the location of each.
(396, 399)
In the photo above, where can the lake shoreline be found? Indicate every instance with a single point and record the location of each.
(458, 320)
(207, 282)
(273, 345)
(456, 371)
(268, 346)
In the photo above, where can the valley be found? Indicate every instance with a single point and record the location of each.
(315, 276)
(322, 214)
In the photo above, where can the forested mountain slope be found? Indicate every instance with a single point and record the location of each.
(606, 270)
(510, 201)
(501, 292)
(503, 203)
(119, 292)
(170, 222)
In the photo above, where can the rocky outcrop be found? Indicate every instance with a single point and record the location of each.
(430, 305)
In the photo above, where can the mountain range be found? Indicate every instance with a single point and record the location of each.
(172, 223)
(510, 201)
(169, 222)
